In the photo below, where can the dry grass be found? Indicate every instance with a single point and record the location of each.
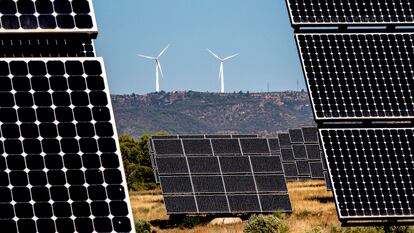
(313, 207)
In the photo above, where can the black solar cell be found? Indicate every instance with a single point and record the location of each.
(266, 164)
(291, 171)
(176, 184)
(271, 183)
(359, 75)
(310, 134)
(208, 184)
(168, 147)
(287, 155)
(274, 203)
(235, 164)
(244, 203)
(180, 204)
(212, 204)
(326, 12)
(303, 168)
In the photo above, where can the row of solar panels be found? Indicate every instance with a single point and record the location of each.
(221, 166)
(60, 163)
(350, 12)
(360, 83)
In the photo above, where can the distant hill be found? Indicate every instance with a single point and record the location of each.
(191, 112)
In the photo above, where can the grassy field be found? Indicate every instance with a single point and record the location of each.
(314, 211)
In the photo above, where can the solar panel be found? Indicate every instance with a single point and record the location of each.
(371, 171)
(274, 145)
(194, 180)
(350, 12)
(59, 148)
(284, 140)
(47, 16)
(359, 75)
(296, 135)
(316, 170)
(299, 152)
(310, 134)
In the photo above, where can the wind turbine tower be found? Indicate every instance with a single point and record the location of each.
(158, 69)
(222, 60)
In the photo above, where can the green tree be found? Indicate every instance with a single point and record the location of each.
(137, 161)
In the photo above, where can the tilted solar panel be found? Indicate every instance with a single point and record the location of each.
(47, 16)
(371, 171)
(60, 164)
(350, 12)
(359, 75)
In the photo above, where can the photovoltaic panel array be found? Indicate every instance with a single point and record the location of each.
(350, 12)
(359, 75)
(301, 154)
(60, 162)
(372, 170)
(219, 175)
(360, 82)
(46, 16)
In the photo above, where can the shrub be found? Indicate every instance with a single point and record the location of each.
(264, 224)
(191, 222)
(142, 226)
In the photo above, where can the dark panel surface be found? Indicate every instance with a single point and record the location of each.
(47, 16)
(226, 146)
(316, 170)
(274, 203)
(266, 164)
(287, 155)
(176, 184)
(371, 171)
(208, 184)
(203, 165)
(313, 152)
(254, 146)
(60, 148)
(197, 147)
(172, 165)
(327, 12)
(303, 168)
(244, 203)
(239, 184)
(310, 134)
(168, 147)
(290, 170)
(271, 183)
(296, 135)
(235, 164)
(180, 204)
(212, 204)
(372, 75)
(284, 140)
(274, 145)
(299, 151)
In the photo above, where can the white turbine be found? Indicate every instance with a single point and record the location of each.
(158, 69)
(222, 60)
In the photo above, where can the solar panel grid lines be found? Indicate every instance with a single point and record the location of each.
(351, 12)
(47, 16)
(355, 75)
(228, 178)
(56, 159)
(376, 183)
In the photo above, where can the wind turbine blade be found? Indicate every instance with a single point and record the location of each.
(148, 57)
(159, 68)
(229, 57)
(163, 51)
(214, 54)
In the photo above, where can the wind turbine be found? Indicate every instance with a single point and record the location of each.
(158, 69)
(222, 60)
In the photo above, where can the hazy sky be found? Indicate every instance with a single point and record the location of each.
(258, 29)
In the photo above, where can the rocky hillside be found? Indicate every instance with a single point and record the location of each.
(196, 112)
